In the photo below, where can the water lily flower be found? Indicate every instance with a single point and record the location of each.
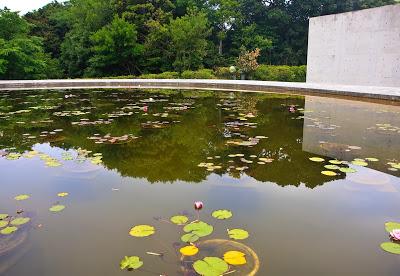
(395, 234)
(198, 205)
(145, 108)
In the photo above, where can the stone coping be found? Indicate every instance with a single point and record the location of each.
(315, 89)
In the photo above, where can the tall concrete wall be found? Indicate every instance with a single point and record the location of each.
(356, 48)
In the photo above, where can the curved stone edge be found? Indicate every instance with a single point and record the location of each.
(329, 90)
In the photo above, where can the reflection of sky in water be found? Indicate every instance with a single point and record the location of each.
(318, 225)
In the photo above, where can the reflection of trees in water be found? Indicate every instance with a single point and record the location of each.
(173, 153)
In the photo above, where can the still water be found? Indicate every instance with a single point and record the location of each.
(124, 158)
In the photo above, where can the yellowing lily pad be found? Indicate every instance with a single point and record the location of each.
(132, 262)
(317, 159)
(62, 194)
(222, 214)
(3, 223)
(359, 163)
(235, 258)
(238, 234)
(335, 162)
(19, 221)
(372, 159)
(180, 220)
(390, 226)
(57, 208)
(391, 247)
(189, 250)
(3, 216)
(142, 231)
(211, 266)
(8, 230)
(329, 173)
(21, 197)
(331, 167)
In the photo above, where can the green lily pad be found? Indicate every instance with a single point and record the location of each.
(359, 163)
(57, 208)
(347, 170)
(200, 229)
(21, 197)
(391, 247)
(317, 159)
(132, 262)
(8, 230)
(3, 223)
(238, 234)
(190, 238)
(3, 216)
(180, 220)
(332, 167)
(335, 162)
(390, 226)
(19, 221)
(222, 214)
(211, 266)
(140, 231)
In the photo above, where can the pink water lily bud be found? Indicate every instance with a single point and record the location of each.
(198, 205)
(145, 108)
(395, 234)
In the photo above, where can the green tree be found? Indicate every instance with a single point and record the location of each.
(189, 40)
(115, 50)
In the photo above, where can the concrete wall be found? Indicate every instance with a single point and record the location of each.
(356, 48)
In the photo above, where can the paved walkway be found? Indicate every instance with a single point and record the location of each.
(368, 92)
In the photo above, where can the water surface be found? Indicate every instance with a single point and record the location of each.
(129, 157)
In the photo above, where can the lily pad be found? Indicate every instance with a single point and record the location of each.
(3, 223)
(238, 234)
(62, 194)
(222, 214)
(347, 170)
(19, 221)
(190, 237)
(372, 159)
(132, 262)
(359, 163)
(180, 220)
(391, 247)
(189, 250)
(211, 266)
(235, 258)
(21, 197)
(140, 231)
(57, 208)
(3, 216)
(332, 167)
(390, 226)
(200, 229)
(8, 230)
(335, 162)
(329, 173)
(317, 159)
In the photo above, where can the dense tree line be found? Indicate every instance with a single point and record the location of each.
(88, 38)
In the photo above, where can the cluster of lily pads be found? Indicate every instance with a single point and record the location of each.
(108, 139)
(192, 232)
(393, 228)
(10, 224)
(333, 167)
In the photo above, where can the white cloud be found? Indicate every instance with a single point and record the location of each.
(24, 6)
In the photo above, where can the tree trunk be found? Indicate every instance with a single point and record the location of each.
(220, 47)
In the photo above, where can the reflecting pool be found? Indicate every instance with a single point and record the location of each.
(311, 180)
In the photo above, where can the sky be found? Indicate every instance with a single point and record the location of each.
(23, 6)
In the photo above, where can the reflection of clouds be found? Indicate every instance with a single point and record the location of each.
(367, 178)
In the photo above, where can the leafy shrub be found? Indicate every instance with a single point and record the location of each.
(281, 73)
(164, 75)
(199, 74)
(223, 73)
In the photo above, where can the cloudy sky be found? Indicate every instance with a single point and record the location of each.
(23, 6)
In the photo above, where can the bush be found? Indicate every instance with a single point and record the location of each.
(199, 74)
(281, 73)
(223, 73)
(164, 75)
